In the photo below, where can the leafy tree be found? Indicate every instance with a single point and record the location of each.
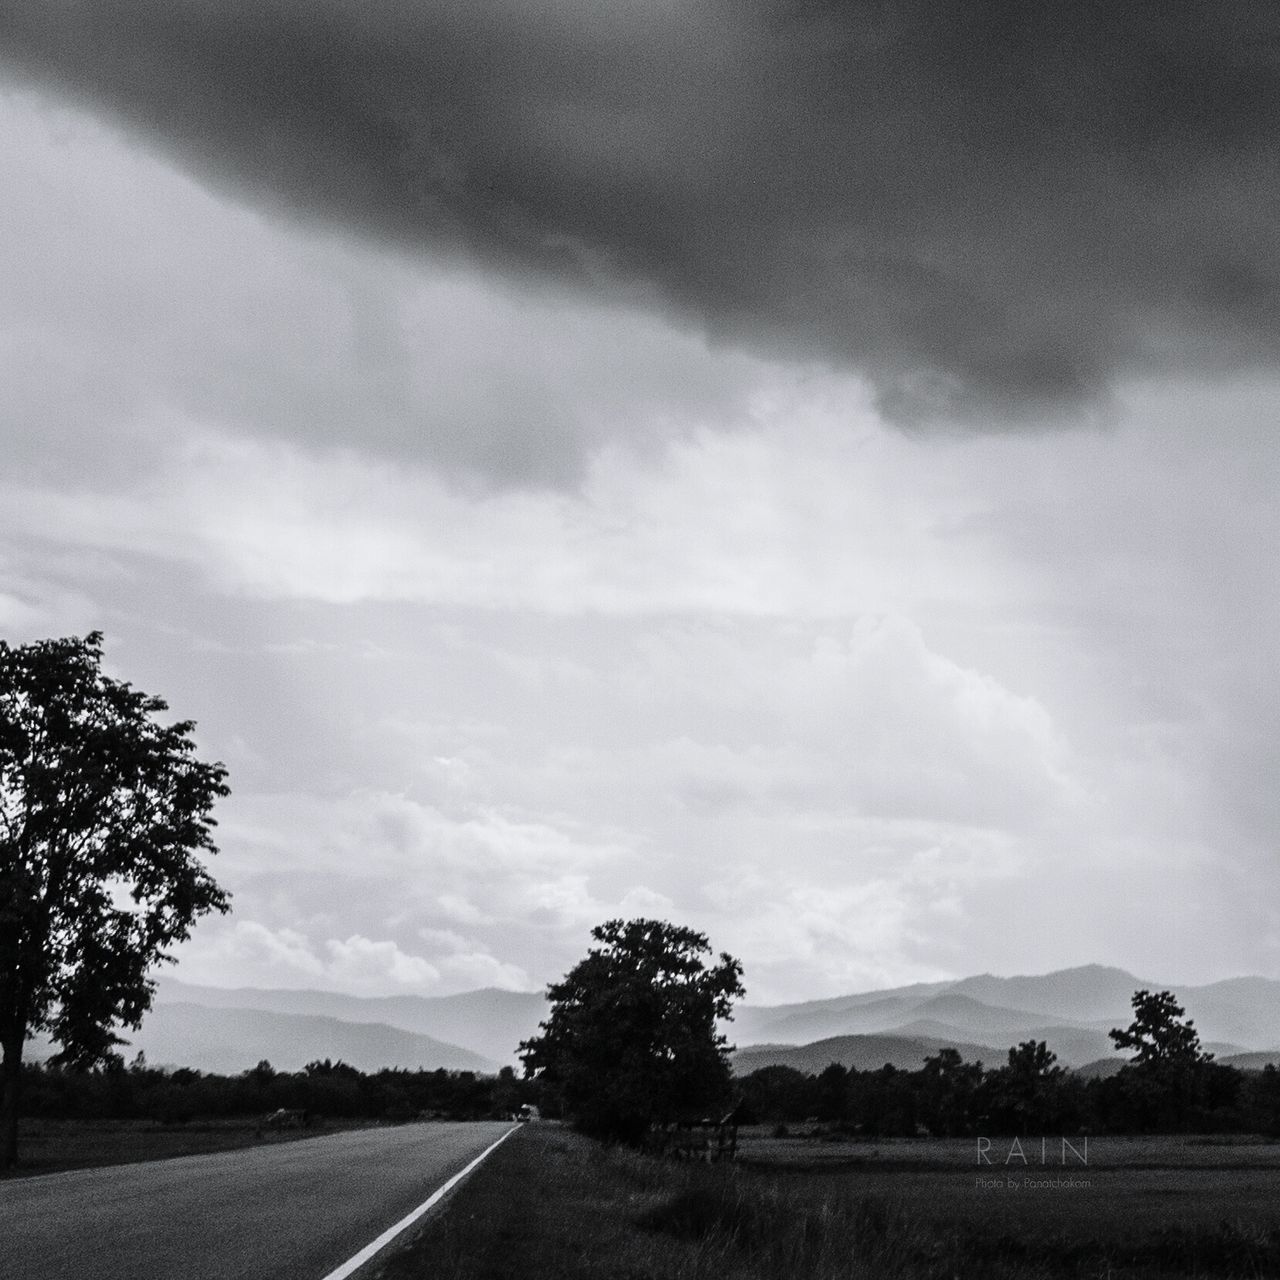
(631, 1040)
(1170, 1076)
(778, 1093)
(948, 1090)
(1157, 1034)
(831, 1100)
(103, 811)
(1031, 1093)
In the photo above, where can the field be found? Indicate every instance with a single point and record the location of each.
(552, 1203)
(1128, 1183)
(46, 1146)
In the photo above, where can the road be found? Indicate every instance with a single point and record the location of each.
(291, 1211)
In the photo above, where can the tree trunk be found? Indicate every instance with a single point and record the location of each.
(10, 1082)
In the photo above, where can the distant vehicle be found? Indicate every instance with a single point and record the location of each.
(285, 1118)
(528, 1112)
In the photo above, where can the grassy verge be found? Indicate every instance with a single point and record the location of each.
(549, 1203)
(50, 1146)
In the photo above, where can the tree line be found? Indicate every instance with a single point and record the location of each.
(324, 1090)
(947, 1097)
(1170, 1085)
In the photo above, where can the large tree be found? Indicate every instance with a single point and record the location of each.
(1170, 1077)
(1159, 1037)
(632, 1039)
(103, 813)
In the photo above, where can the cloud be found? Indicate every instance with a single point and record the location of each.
(250, 952)
(139, 301)
(715, 523)
(462, 961)
(357, 963)
(991, 211)
(226, 953)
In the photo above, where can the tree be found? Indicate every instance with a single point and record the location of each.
(1169, 1074)
(103, 811)
(948, 1088)
(631, 1040)
(1031, 1093)
(1157, 1034)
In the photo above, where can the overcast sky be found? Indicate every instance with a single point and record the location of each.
(803, 470)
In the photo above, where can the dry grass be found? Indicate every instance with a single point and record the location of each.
(550, 1203)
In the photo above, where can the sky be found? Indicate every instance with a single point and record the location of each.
(805, 471)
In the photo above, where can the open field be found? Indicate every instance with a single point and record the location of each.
(1129, 1184)
(47, 1146)
(552, 1203)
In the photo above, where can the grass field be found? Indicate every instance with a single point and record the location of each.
(551, 1203)
(47, 1146)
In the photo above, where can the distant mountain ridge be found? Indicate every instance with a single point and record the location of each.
(1070, 1009)
(231, 1040)
(865, 1053)
(489, 1022)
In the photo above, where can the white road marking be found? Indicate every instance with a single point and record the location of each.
(354, 1264)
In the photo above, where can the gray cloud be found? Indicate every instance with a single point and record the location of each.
(993, 211)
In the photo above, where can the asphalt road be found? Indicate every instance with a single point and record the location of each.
(292, 1211)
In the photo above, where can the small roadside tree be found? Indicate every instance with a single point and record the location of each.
(103, 811)
(631, 1040)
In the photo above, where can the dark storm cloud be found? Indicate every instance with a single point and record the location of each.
(990, 208)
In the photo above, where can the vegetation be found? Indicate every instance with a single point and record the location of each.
(949, 1097)
(631, 1040)
(1170, 1086)
(113, 1114)
(1159, 1036)
(103, 811)
(325, 1089)
(551, 1202)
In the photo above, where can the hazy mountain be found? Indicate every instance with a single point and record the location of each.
(1073, 1046)
(866, 1053)
(1102, 1068)
(792, 1021)
(230, 1040)
(960, 1010)
(1076, 1046)
(489, 1022)
(1221, 1049)
(1071, 1009)
(1243, 1010)
(1252, 1061)
(1085, 994)
(805, 1025)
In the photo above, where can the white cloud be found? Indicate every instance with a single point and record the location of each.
(245, 952)
(360, 964)
(717, 524)
(466, 963)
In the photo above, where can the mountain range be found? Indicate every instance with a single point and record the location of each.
(230, 1029)
(1071, 1010)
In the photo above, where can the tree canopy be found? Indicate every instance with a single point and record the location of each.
(632, 1040)
(103, 813)
(1158, 1035)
